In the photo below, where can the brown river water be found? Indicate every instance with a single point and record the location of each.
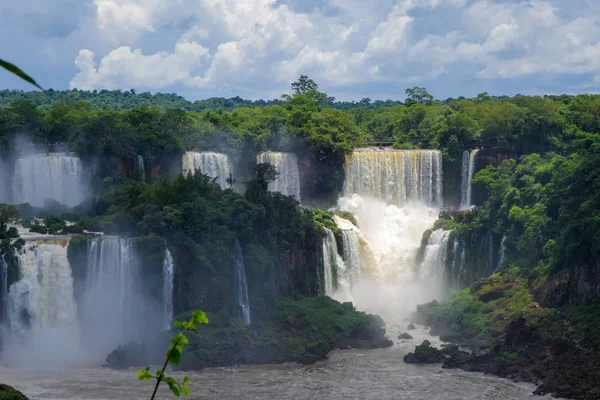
(349, 374)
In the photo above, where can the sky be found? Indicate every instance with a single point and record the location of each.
(352, 48)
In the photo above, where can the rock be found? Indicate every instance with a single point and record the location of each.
(405, 335)
(425, 354)
(411, 327)
(10, 393)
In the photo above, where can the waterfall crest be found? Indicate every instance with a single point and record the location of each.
(168, 275)
(286, 164)
(467, 172)
(215, 165)
(396, 176)
(58, 176)
(242, 285)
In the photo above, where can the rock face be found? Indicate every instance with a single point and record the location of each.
(10, 393)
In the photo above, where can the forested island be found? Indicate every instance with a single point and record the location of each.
(258, 213)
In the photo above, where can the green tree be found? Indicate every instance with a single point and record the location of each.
(418, 95)
(304, 85)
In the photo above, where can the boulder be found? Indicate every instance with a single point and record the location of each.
(425, 354)
(411, 327)
(405, 336)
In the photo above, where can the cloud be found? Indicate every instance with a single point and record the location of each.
(124, 67)
(256, 47)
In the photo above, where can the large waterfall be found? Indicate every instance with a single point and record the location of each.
(330, 256)
(395, 196)
(113, 294)
(241, 283)
(467, 172)
(286, 164)
(215, 165)
(42, 313)
(58, 176)
(168, 275)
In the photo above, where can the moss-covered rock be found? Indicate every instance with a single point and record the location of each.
(303, 331)
(10, 393)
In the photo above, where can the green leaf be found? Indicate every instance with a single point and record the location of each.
(17, 71)
(186, 379)
(175, 357)
(185, 390)
(174, 389)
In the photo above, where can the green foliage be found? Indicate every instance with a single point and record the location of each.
(174, 357)
(10, 393)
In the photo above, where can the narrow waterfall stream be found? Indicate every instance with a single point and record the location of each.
(467, 172)
(241, 283)
(168, 276)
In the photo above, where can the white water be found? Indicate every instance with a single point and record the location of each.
(501, 252)
(57, 176)
(395, 196)
(396, 176)
(4, 285)
(215, 165)
(433, 267)
(242, 284)
(467, 172)
(286, 164)
(168, 275)
(330, 255)
(42, 313)
(141, 170)
(116, 308)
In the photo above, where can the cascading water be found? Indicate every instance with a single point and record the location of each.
(215, 165)
(395, 196)
(4, 286)
(116, 306)
(242, 285)
(286, 164)
(42, 313)
(58, 176)
(433, 267)
(168, 276)
(501, 252)
(141, 170)
(330, 255)
(467, 172)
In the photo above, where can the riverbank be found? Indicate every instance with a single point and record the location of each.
(511, 336)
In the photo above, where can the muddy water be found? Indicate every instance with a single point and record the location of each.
(349, 374)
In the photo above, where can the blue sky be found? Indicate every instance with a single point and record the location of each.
(351, 48)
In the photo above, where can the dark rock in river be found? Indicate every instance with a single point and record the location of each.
(405, 335)
(411, 327)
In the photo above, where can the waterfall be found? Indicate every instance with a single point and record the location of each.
(140, 168)
(4, 286)
(467, 172)
(57, 176)
(396, 177)
(501, 252)
(433, 268)
(395, 196)
(215, 165)
(116, 304)
(168, 275)
(43, 297)
(242, 285)
(330, 254)
(286, 164)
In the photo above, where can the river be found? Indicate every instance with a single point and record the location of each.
(349, 374)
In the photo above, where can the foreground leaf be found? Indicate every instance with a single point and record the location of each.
(17, 71)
